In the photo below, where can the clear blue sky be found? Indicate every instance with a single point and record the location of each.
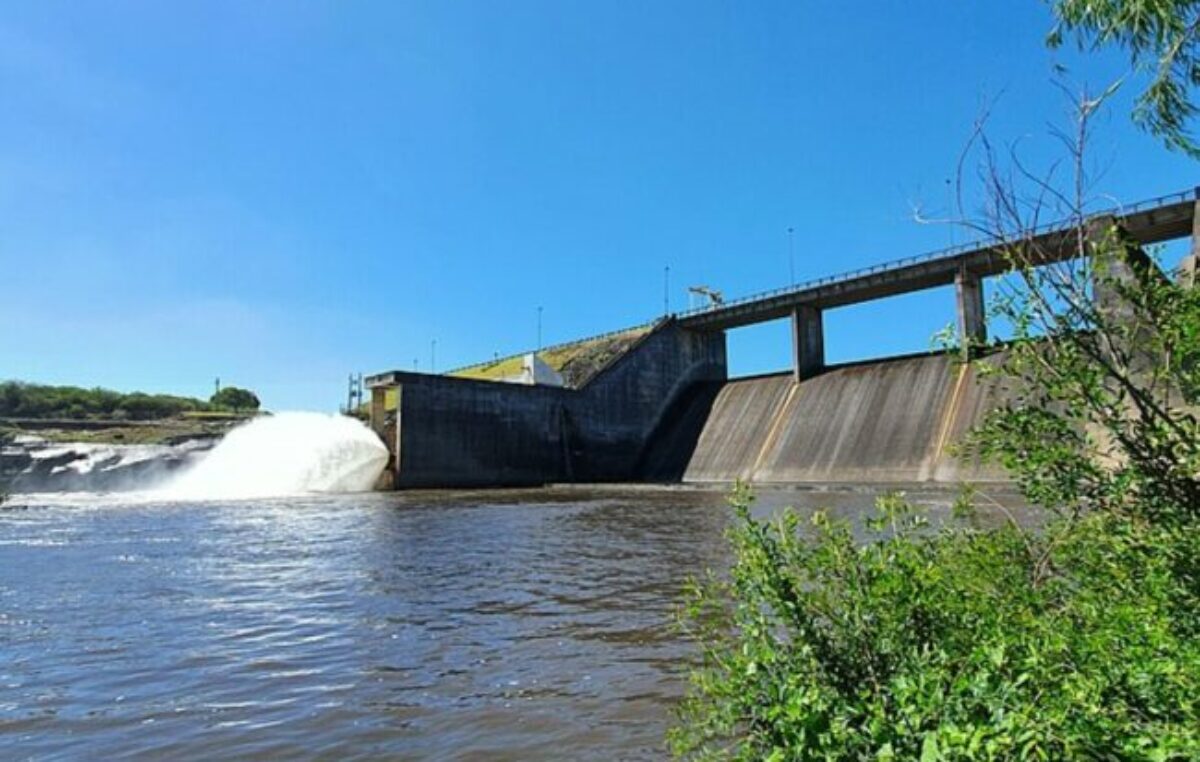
(280, 193)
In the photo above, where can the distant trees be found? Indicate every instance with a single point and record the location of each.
(235, 398)
(22, 400)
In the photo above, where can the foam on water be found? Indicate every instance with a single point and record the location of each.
(285, 454)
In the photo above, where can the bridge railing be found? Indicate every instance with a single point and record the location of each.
(932, 256)
(948, 252)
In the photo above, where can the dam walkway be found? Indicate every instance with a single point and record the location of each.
(1153, 221)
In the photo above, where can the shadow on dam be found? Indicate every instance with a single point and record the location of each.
(671, 449)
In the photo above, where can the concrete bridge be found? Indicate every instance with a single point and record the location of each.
(1149, 222)
(655, 403)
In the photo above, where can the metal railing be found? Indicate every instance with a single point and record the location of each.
(949, 252)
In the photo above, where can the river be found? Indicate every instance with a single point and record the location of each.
(533, 624)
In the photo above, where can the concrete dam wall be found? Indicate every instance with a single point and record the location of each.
(888, 421)
(463, 432)
(663, 411)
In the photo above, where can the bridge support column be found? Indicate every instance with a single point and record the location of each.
(808, 343)
(1187, 268)
(1110, 242)
(972, 320)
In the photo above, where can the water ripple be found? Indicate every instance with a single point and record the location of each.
(507, 625)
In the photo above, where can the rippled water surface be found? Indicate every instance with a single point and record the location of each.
(501, 625)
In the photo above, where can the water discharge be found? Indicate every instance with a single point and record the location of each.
(285, 454)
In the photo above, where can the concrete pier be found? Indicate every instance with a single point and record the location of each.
(972, 320)
(1187, 270)
(808, 342)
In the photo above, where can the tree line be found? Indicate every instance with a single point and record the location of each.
(25, 400)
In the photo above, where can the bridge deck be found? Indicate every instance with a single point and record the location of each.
(1161, 219)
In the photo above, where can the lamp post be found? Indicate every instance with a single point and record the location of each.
(951, 211)
(792, 255)
(666, 290)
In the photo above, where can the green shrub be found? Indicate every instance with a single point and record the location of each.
(916, 643)
(235, 398)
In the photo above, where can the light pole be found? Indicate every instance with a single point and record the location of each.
(792, 255)
(950, 209)
(666, 290)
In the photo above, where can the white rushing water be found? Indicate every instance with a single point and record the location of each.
(285, 454)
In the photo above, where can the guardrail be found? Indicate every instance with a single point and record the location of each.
(949, 252)
(939, 254)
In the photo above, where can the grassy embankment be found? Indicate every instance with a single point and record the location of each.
(576, 362)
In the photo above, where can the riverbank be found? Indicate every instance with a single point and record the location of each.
(166, 431)
(97, 455)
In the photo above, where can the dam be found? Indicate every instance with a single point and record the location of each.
(654, 403)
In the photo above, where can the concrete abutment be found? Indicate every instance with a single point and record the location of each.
(460, 432)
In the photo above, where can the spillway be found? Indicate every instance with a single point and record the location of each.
(884, 421)
(286, 454)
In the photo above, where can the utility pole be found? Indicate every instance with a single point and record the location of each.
(792, 255)
(950, 210)
(217, 386)
(354, 393)
(666, 290)
(539, 341)
(433, 356)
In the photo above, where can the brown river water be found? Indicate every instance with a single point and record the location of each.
(501, 625)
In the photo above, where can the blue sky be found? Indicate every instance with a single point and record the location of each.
(281, 193)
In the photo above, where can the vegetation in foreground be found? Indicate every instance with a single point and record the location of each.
(1080, 640)
(948, 644)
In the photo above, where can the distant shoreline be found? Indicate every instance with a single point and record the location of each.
(170, 430)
